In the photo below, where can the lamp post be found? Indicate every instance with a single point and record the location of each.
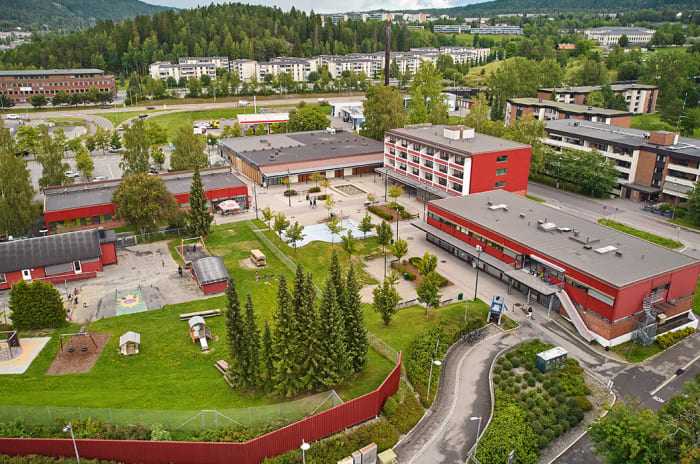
(289, 197)
(304, 447)
(478, 265)
(478, 429)
(397, 222)
(67, 428)
(430, 377)
(255, 194)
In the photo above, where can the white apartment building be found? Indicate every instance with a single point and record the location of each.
(499, 29)
(338, 64)
(609, 36)
(298, 68)
(217, 61)
(451, 28)
(640, 98)
(188, 67)
(246, 69)
(164, 69)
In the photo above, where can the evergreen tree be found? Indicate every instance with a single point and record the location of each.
(252, 338)
(235, 334)
(286, 382)
(336, 276)
(306, 317)
(267, 367)
(355, 332)
(331, 334)
(199, 219)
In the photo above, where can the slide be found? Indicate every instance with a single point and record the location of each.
(575, 316)
(203, 342)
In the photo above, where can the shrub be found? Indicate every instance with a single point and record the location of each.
(496, 379)
(516, 388)
(497, 369)
(381, 213)
(419, 355)
(314, 189)
(518, 378)
(290, 193)
(538, 389)
(671, 338)
(507, 365)
(515, 362)
(583, 403)
(408, 413)
(322, 197)
(405, 214)
(415, 261)
(531, 382)
(158, 433)
(389, 408)
(36, 306)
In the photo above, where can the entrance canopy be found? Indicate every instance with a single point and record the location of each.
(229, 205)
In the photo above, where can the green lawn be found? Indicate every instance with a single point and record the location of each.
(665, 242)
(173, 121)
(635, 353)
(653, 122)
(534, 198)
(685, 222)
(116, 116)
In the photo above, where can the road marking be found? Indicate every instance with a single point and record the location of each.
(656, 398)
(670, 379)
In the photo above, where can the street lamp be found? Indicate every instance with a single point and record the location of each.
(255, 194)
(478, 429)
(397, 221)
(478, 265)
(289, 181)
(67, 428)
(304, 448)
(430, 377)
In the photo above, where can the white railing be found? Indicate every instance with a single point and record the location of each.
(575, 316)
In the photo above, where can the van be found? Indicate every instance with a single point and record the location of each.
(243, 103)
(257, 258)
(13, 116)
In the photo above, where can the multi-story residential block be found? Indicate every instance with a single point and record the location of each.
(440, 161)
(298, 68)
(218, 61)
(380, 16)
(245, 69)
(415, 28)
(609, 36)
(20, 85)
(189, 67)
(653, 166)
(547, 110)
(451, 28)
(338, 64)
(640, 98)
(499, 29)
(335, 18)
(164, 70)
(356, 16)
(610, 285)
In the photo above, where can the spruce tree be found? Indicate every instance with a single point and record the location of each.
(236, 336)
(355, 332)
(199, 219)
(285, 378)
(253, 346)
(331, 334)
(335, 273)
(298, 300)
(266, 358)
(311, 366)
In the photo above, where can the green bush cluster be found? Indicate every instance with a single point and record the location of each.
(406, 410)
(290, 193)
(420, 354)
(322, 197)
(314, 189)
(36, 306)
(381, 213)
(671, 338)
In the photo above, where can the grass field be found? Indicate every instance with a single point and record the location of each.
(117, 117)
(476, 78)
(173, 121)
(665, 242)
(634, 352)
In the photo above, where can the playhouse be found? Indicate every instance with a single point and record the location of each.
(200, 331)
(129, 343)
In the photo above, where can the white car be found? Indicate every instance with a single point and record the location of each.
(243, 103)
(72, 174)
(13, 116)
(98, 178)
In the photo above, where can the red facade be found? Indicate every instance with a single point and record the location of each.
(280, 441)
(19, 86)
(208, 289)
(486, 165)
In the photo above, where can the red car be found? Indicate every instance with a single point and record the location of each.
(150, 107)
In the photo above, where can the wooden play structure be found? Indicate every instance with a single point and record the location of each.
(222, 366)
(257, 257)
(199, 331)
(129, 343)
(70, 349)
(191, 249)
(9, 345)
(207, 313)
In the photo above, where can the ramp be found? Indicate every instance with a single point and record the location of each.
(203, 342)
(575, 317)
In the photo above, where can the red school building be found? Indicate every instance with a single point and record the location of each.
(83, 206)
(610, 285)
(57, 258)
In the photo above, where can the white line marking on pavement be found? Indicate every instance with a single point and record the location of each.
(670, 379)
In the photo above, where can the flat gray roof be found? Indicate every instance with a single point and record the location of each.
(479, 144)
(686, 147)
(100, 193)
(300, 146)
(593, 88)
(568, 107)
(640, 260)
(210, 270)
(54, 72)
(622, 29)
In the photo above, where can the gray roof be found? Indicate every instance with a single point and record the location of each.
(568, 107)
(50, 250)
(300, 146)
(210, 270)
(622, 30)
(640, 259)
(479, 144)
(686, 148)
(593, 88)
(130, 337)
(100, 193)
(51, 72)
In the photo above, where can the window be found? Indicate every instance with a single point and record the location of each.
(26, 274)
(3, 278)
(442, 181)
(502, 159)
(457, 187)
(416, 147)
(501, 172)
(444, 156)
(442, 168)
(415, 171)
(402, 166)
(428, 176)
(76, 266)
(415, 159)
(430, 151)
(429, 164)
(500, 184)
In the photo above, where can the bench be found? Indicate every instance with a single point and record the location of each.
(222, 366)
(208, 313)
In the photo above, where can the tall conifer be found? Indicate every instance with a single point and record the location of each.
(355, 332)
(266, 358)
(235, 334)
(198, 219)
(286, 382)
(253, 349)
(335, 366)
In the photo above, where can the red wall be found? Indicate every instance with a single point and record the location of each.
(483, 173)
(109, 253)
(274, 443)
(75, 213)
(214, 288)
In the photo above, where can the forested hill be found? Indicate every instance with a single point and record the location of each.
(235, 30)
(562, 6)
(62, 15)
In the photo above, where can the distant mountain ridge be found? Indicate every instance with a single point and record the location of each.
(549, 6)
(66, 15)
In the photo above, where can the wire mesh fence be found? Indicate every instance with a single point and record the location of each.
(382, 347)
(186, 420)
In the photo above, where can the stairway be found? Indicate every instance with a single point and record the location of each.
(575, 317)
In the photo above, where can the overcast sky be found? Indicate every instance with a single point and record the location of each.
(329, 6)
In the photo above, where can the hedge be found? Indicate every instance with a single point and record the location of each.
(381, 213)
(671, 338)
(403, 409)
(314, 189)
(290, 193)
(322, 197)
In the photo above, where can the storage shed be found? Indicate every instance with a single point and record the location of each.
(551, 359)
(211, 274)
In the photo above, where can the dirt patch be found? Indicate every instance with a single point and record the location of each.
(192, 252)
(386, 209)
(78, 361)
(246, 263)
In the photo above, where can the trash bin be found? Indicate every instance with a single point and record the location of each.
(460, 295)
(392, 241)
(405, 276)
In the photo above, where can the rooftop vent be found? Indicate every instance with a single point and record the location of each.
(522, 215)
(618, 253)
(605, 249)
(548, 226)
(588, 247)
(576, 233)
(502, 206)
(564, 229)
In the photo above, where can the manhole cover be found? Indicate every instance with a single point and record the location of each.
(443, 261)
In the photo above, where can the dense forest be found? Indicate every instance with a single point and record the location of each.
(68, 15)
(562, 6)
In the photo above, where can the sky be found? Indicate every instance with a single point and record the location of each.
(328, 6)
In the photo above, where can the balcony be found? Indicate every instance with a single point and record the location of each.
(685, 169)
(680, 181)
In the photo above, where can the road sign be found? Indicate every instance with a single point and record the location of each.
(511, 456)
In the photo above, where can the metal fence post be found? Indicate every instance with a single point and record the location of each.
(48, 410)
(80, 413)
(203, 426)
(248, 416)
(110, 416)
(216, 419)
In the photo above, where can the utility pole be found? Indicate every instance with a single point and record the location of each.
(387, 52)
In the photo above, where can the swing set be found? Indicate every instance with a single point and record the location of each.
(71, 349)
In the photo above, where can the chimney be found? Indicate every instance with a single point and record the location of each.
(101, 232)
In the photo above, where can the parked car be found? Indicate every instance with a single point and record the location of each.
(141, 116)
(106, 107)
(153, 170)
(243, 103)
(98, 178)
(13, 116)
(71, 174)
(120, 128)
(112, 150)
(150, 107)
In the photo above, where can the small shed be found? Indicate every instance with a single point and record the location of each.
(129, 343)
(211, 274)
(199, 331)
(551, 359)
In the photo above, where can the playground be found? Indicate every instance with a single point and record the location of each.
(77, 353)
(16, 355)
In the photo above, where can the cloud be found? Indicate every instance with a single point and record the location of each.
(328, 6)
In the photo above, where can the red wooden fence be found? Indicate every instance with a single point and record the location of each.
(251, 452)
